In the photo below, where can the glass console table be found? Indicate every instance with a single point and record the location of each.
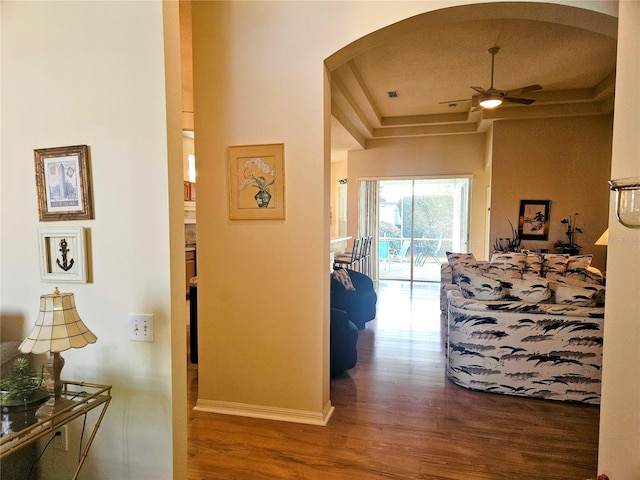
(82, 398)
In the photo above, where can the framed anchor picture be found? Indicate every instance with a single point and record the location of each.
(63, 255)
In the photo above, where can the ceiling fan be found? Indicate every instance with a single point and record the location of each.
(493, 97)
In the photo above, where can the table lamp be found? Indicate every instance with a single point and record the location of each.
(58, 328)
(604, 238)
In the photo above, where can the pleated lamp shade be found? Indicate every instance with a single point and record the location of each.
(58, 326)
(604, 238)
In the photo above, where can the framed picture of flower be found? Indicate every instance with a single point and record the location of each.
(534, 219)
(256, 182)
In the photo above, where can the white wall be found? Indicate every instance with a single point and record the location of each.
(94, 73)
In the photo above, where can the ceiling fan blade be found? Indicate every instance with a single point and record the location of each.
(523, 101)
(457, 101)
(480, 90)
(528, 88)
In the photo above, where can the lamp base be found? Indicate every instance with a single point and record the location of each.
(52, 407)
(54, 386)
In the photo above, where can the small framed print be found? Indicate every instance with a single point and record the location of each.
(533, 223)
(63, 183)
(256, 182)
(63, 255)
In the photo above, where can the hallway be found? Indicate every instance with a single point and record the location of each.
(397, 416)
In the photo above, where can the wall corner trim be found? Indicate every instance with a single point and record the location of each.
(269, 413)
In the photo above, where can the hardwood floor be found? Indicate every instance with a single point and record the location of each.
(397, 416)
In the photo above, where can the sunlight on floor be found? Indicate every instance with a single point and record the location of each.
(408, 306)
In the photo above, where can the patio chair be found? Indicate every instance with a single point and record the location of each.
(422, 257)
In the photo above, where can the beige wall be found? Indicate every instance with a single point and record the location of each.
(247, 346)
(423, 157)
(565, 160)
(619, 451)
(338, 172)
(110, 94)
(94, 73)
(188, 147)
(279, 320)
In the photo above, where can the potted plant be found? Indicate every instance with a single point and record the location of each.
(263, 197)
(569, 246)
(21, 394)
(506, 244)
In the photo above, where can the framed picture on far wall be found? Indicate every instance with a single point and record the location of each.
(533, 223)
(63, 183)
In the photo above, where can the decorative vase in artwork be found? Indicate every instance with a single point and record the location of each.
(262, 198)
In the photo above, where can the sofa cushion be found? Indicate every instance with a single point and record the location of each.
(479, 287)
(461, 258)
(599, 290)
(576, 262)
(457, 300)
(567, 294)
(588, 275)
(462, 270)
(533, 264)
(531, 290)
(554, 265)
(511, 264)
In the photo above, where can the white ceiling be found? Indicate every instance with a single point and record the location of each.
(427, 66)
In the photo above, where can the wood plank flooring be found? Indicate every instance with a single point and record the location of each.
(398, 417)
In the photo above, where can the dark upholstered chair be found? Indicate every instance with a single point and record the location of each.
(193, 319)
(360, 304)
(344, 336)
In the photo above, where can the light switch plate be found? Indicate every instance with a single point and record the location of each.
(141, 327)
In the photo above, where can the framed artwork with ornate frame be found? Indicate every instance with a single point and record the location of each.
(256, 182)
(63, 183)
(533, 223)
(63, 254)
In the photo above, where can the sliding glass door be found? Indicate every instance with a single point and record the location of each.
(419, 220)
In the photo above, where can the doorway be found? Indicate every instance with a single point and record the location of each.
(419, 220)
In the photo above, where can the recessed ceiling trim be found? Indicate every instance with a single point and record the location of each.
(606, 87)
(542, 111)
(365, 91)
(430, 57)
(422, 130)
(352, 103)
(422, 119)
(348, 126)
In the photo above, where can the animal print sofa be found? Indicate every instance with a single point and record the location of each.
(525, 334)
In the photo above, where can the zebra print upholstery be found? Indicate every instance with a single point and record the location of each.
(544, 350)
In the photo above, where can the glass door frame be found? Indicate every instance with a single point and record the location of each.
(460, 234)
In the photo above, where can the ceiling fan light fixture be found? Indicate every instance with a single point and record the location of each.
(491, 101)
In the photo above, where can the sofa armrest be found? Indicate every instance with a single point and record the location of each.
(454, 292)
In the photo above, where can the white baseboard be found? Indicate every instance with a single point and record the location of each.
(270, 413)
